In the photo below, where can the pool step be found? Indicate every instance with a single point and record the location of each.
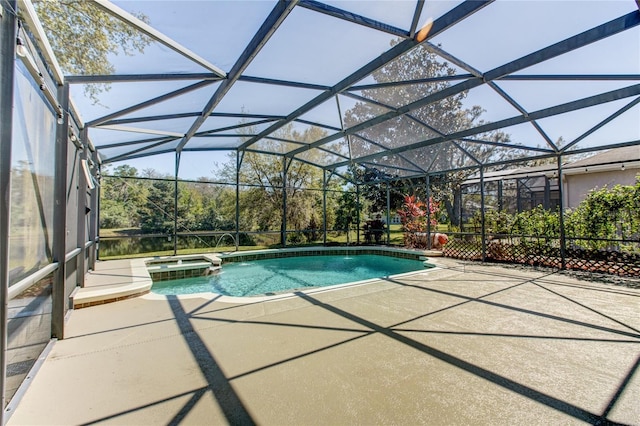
(124, 279)
(178, 267)
(128, 278)
(213, 270)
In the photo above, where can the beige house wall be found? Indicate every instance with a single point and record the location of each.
(576, 187)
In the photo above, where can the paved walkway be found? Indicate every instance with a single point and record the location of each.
(462, 344)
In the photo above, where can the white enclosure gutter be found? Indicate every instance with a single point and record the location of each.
(31, 19)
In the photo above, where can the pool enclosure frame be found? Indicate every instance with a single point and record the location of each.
(76, 205)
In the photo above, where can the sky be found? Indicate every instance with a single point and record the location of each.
(313, 48)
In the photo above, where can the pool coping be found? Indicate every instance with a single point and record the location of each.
(98, 290)
(324, 250)
(239, 300)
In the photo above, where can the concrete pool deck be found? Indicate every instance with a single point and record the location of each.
(464, 343)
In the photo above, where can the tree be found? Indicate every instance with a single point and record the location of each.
(430, 121)
(347, 211)
(262, 198)
(128, 199)
(191, 208)
(83, 36)
(219, 205)
(157, 215)
(121, 195)
(375, 188)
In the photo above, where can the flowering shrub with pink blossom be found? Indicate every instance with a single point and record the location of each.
(413, 216)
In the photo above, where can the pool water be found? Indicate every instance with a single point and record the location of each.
(271, 276)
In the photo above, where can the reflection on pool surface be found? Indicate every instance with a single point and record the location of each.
(271, 276)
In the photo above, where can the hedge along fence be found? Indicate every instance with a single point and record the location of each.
(601, 235)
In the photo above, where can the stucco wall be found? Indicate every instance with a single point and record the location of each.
(577, 186)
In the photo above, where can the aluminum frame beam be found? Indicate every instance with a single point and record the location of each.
(237, 126)
(410, 82)
(507, 145)
(127, 78)
(287, 83)
(264, 33)
(31, 19)
(416, 18)
(128, 143)
(353, 17)
(8, 30)
(125, 16)
(570, 77)
(435, 97)
(147, 147)
(455, 15)
(395, 167)
(58, 308)
(476, 73)
(140, 130)
(585, 38)
(150, 102)
(602, 124)
(572, 43)
(191, 114)
(543, 113)
(150, 118)
(132, 157)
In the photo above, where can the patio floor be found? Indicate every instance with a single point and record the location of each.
(461, 344)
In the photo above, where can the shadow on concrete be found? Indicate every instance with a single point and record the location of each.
(229, 402)
(236, 412)
(497, 379)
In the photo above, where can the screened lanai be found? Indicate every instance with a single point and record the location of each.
(137, 128)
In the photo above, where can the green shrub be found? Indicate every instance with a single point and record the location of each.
(605, 214)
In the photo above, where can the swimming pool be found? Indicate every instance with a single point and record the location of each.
(273, 276)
